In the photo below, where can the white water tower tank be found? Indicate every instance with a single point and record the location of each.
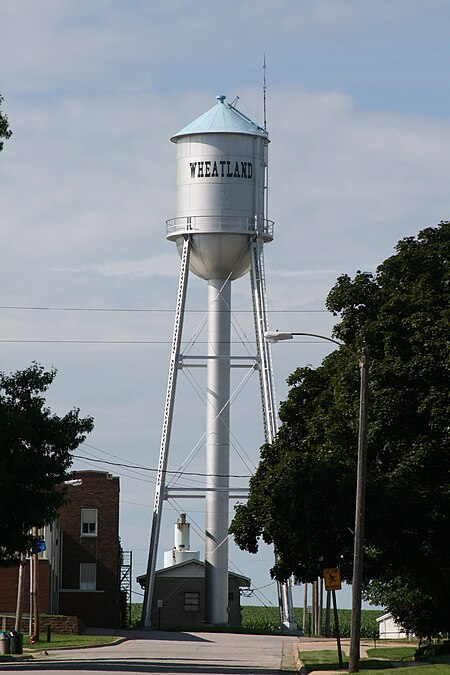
(221, 168)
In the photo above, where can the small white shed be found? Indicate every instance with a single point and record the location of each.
(388, 629)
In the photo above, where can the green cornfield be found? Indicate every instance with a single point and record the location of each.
(267, 619)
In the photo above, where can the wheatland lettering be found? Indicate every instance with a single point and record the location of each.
(221, 169)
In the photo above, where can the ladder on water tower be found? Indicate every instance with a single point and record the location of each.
(267, 387)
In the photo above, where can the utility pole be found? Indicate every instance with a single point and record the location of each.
(314, 607)
(358, 551)
(30, 626)
(36, 591)
(305, 607)
(319, 613)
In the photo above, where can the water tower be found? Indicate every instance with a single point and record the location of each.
(219, 229)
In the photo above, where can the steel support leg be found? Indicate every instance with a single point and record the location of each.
(165, 436)
(267, 387)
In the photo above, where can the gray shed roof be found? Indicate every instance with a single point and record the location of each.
(190, 565)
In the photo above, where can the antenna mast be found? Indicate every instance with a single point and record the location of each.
(266, 150)
(264, 93)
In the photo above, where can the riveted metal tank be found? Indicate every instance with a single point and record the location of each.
(221, 176)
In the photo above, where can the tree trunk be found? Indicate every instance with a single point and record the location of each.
(20, 594)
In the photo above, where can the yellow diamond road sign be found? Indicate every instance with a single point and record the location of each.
(332, 578)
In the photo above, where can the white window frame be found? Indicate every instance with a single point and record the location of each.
(88, 576)
(89, 518)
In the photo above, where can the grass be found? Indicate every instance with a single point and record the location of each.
(397, 653)
(328, 660)
(136, 613)
(62, 642)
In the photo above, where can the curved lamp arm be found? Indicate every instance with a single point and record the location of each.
(276, 336)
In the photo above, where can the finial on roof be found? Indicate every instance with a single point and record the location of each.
(221, 98)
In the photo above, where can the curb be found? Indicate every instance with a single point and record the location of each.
(117, 641)
(47, 651)
(290, 659)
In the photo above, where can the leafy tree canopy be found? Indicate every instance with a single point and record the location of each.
(35, 455)
(302, 497)
(5, 131)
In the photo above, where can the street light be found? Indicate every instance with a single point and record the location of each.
(363, 361)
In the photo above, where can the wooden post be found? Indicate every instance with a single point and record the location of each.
(328, 615)
(20, 594)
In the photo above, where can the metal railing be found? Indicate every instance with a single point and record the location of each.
(216, 223)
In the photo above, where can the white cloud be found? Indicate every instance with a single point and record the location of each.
(165, 265)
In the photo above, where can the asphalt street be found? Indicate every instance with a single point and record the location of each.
(172, 654)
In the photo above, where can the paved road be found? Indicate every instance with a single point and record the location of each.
(172, 654)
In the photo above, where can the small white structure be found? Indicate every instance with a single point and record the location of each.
(181, 552)
(388, 629)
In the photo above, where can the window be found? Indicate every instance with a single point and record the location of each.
(89, 518)
(88, 576)
(191, 602)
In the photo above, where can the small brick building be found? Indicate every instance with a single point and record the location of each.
(179, 596)
(90, 571)
(79, 573)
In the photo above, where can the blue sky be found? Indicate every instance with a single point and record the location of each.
(358, 115)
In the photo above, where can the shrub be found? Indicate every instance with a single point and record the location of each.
(432, 649)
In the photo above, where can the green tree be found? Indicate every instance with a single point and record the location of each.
(5, 131)
(302, 495)
(35, 455)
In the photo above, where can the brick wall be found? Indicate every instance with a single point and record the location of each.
(8, 588)
(88, 606)
(62, 625)
(100, 491)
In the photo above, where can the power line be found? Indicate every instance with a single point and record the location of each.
(133, 342)
(146, 468)
(136, 465)
(150, 481)
(90, 342)
(147, 309)
(127, 342)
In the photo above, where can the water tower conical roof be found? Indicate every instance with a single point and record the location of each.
(222, 118)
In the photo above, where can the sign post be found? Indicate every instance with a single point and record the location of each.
(332, 578)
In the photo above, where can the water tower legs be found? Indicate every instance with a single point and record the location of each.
(217, 451)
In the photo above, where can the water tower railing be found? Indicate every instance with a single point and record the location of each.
(219, 224)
